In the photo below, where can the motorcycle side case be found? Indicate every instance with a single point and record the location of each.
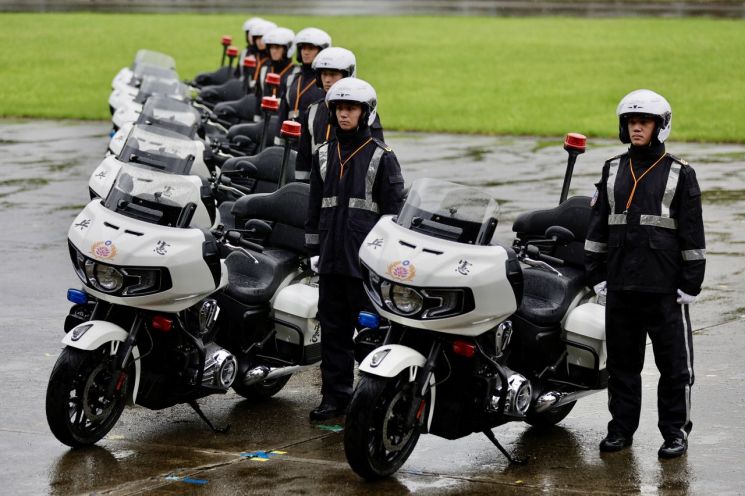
(585, 338)
(295, 309)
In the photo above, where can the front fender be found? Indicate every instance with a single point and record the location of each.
(398, 359)
(91, 335)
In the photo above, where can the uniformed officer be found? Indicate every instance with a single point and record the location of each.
(258, 29)
(301, 85)
(280, 44)
(355, 178)
(331, 65)
(250, 50)
(645, 248)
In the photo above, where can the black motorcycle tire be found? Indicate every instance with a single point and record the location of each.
(77, 383)
(261, 390)
(371, 412)
(550, 417)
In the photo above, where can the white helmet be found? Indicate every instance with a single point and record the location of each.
(261, 28)
(312, 36)
(335, 58)
(282, 37)
(648, 103)
(356, 91)
(249, 24)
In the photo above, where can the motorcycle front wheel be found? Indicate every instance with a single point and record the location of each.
(80, 410)
(376, 439)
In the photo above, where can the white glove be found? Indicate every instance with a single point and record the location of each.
(601, 288)
(314, 264)
(685, 299)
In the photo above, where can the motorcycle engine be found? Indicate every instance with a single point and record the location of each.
(220, 367)
(518, 395)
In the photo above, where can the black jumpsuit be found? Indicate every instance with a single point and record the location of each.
(345, 203)
(647, 242)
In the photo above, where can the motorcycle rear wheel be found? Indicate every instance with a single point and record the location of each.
(79, 409)
(550, 417)
(376, 441)
(261, 390)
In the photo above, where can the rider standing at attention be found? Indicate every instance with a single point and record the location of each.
(645, 247)
(355, 178)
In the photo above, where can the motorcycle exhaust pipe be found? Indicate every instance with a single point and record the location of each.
(291, 133)
(574, 144)
(264, 373)
(554, 399)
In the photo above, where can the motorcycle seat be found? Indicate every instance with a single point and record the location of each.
(268, 164)
(254, 279)
(252, 130)
(235, 111)
(546, 296)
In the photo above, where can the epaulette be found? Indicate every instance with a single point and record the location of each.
(678, 160)
(616, 156)
(382, 145)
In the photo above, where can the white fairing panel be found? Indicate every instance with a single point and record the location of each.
(115, 239)
(398, 359)
(417, 260)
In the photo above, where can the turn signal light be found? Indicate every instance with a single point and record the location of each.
(464, 348)
(162, 323)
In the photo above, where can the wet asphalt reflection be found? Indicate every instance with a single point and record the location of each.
(44, 169)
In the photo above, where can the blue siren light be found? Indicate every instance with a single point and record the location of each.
(77, 296)
(369, 319)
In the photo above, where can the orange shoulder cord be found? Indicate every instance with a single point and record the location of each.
(259, 63)
(636, 181)
(344, 162)
(301, 93)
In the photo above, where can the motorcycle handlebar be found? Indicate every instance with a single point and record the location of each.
(235, 238)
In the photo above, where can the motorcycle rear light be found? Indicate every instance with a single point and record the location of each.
(162, 323)
(226, 40)
(464, 349)
(273, 79)
(270, 103)
(369, 320)
(77, 296)
(232, 51)
(575, 141)
(290, 129)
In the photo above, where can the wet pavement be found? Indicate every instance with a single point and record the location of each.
(44, 169)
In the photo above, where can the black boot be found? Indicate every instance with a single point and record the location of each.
(615, 442)
(326, 411)
(673, 448)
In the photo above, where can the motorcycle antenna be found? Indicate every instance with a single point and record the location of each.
(291, 133)
(225, 42)
(574, 144)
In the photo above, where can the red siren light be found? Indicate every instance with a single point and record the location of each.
(270, 103)
(273, 78)
(575, 142)
(226, 40)
(232, 51)
(290, 129)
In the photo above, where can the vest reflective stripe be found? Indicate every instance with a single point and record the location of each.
(329, 202)
(288, 85)
(323, 160)
(596, 247)
(311, 239)
(262, 77)
(372, 172)
(689, 255)
(616, 219)
(658, 221)
(302, 175)
(312, 111)
(610, 186)
(670, 187)
(664, 220)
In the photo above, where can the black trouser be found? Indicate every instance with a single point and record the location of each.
(340, 299)
(629, 316)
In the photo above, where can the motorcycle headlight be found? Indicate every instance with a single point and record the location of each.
(104, 277)
(403, 300)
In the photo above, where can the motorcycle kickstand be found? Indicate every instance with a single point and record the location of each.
(195, 406)
(512, 459)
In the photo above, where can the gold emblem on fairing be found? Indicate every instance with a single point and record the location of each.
(103, 249)
(402, 270)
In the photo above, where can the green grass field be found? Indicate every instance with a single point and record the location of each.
(516, 76)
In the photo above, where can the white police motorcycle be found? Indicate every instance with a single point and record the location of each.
(171, 313)
(470, 339)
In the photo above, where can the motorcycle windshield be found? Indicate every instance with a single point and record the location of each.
(160, 149)
(151, 196)
(146, 70)
(168, 113)
(158, 86)
(450, 211)
(154, 58)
